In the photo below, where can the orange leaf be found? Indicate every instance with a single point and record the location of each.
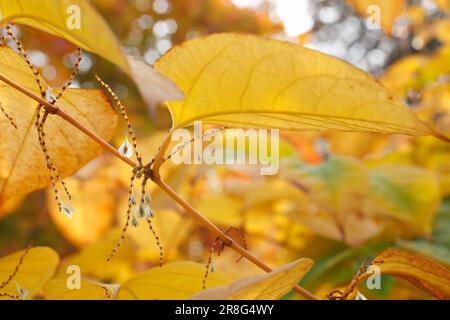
(420, 271)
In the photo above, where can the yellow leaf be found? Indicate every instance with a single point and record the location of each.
(22, 164)
(170, 227)
(337, 188)
(443, 4)
(270, 286)
(74, 20)
(354, 144)
(435, 107)
(221, 208)
(338, 184)
(437, 30)
(402, 75)
(245, 80)
(354, 229)
(56, 289)
(173, 281)
(416, 14)
(94, 199)
(92, 260)
(262, 192)
(407, 193)
(389, 10)
(420, 271)
(37, 268)
(438, 64)
(433, 154)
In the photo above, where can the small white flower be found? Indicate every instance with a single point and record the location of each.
(147, 198)
(132, 200)
(143, 211)
(67, 210)
(126, 149)
(23, 293)
(134, 222)
(49, 95)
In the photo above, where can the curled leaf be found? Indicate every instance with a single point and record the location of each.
(420, 271)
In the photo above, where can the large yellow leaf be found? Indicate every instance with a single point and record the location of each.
(443, 4)
(37, 268)
(245, 80)
(56, 289)
(389, 10)
(270, 286)
(420, 271)
(59, 17)
(22, 163)
(173, 281)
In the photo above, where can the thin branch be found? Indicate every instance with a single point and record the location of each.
(226, 239)
(159, 158)
(54, 109)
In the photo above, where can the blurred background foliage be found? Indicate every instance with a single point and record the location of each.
(339, 198)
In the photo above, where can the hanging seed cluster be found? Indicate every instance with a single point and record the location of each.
(142, 208)
(41, 117)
